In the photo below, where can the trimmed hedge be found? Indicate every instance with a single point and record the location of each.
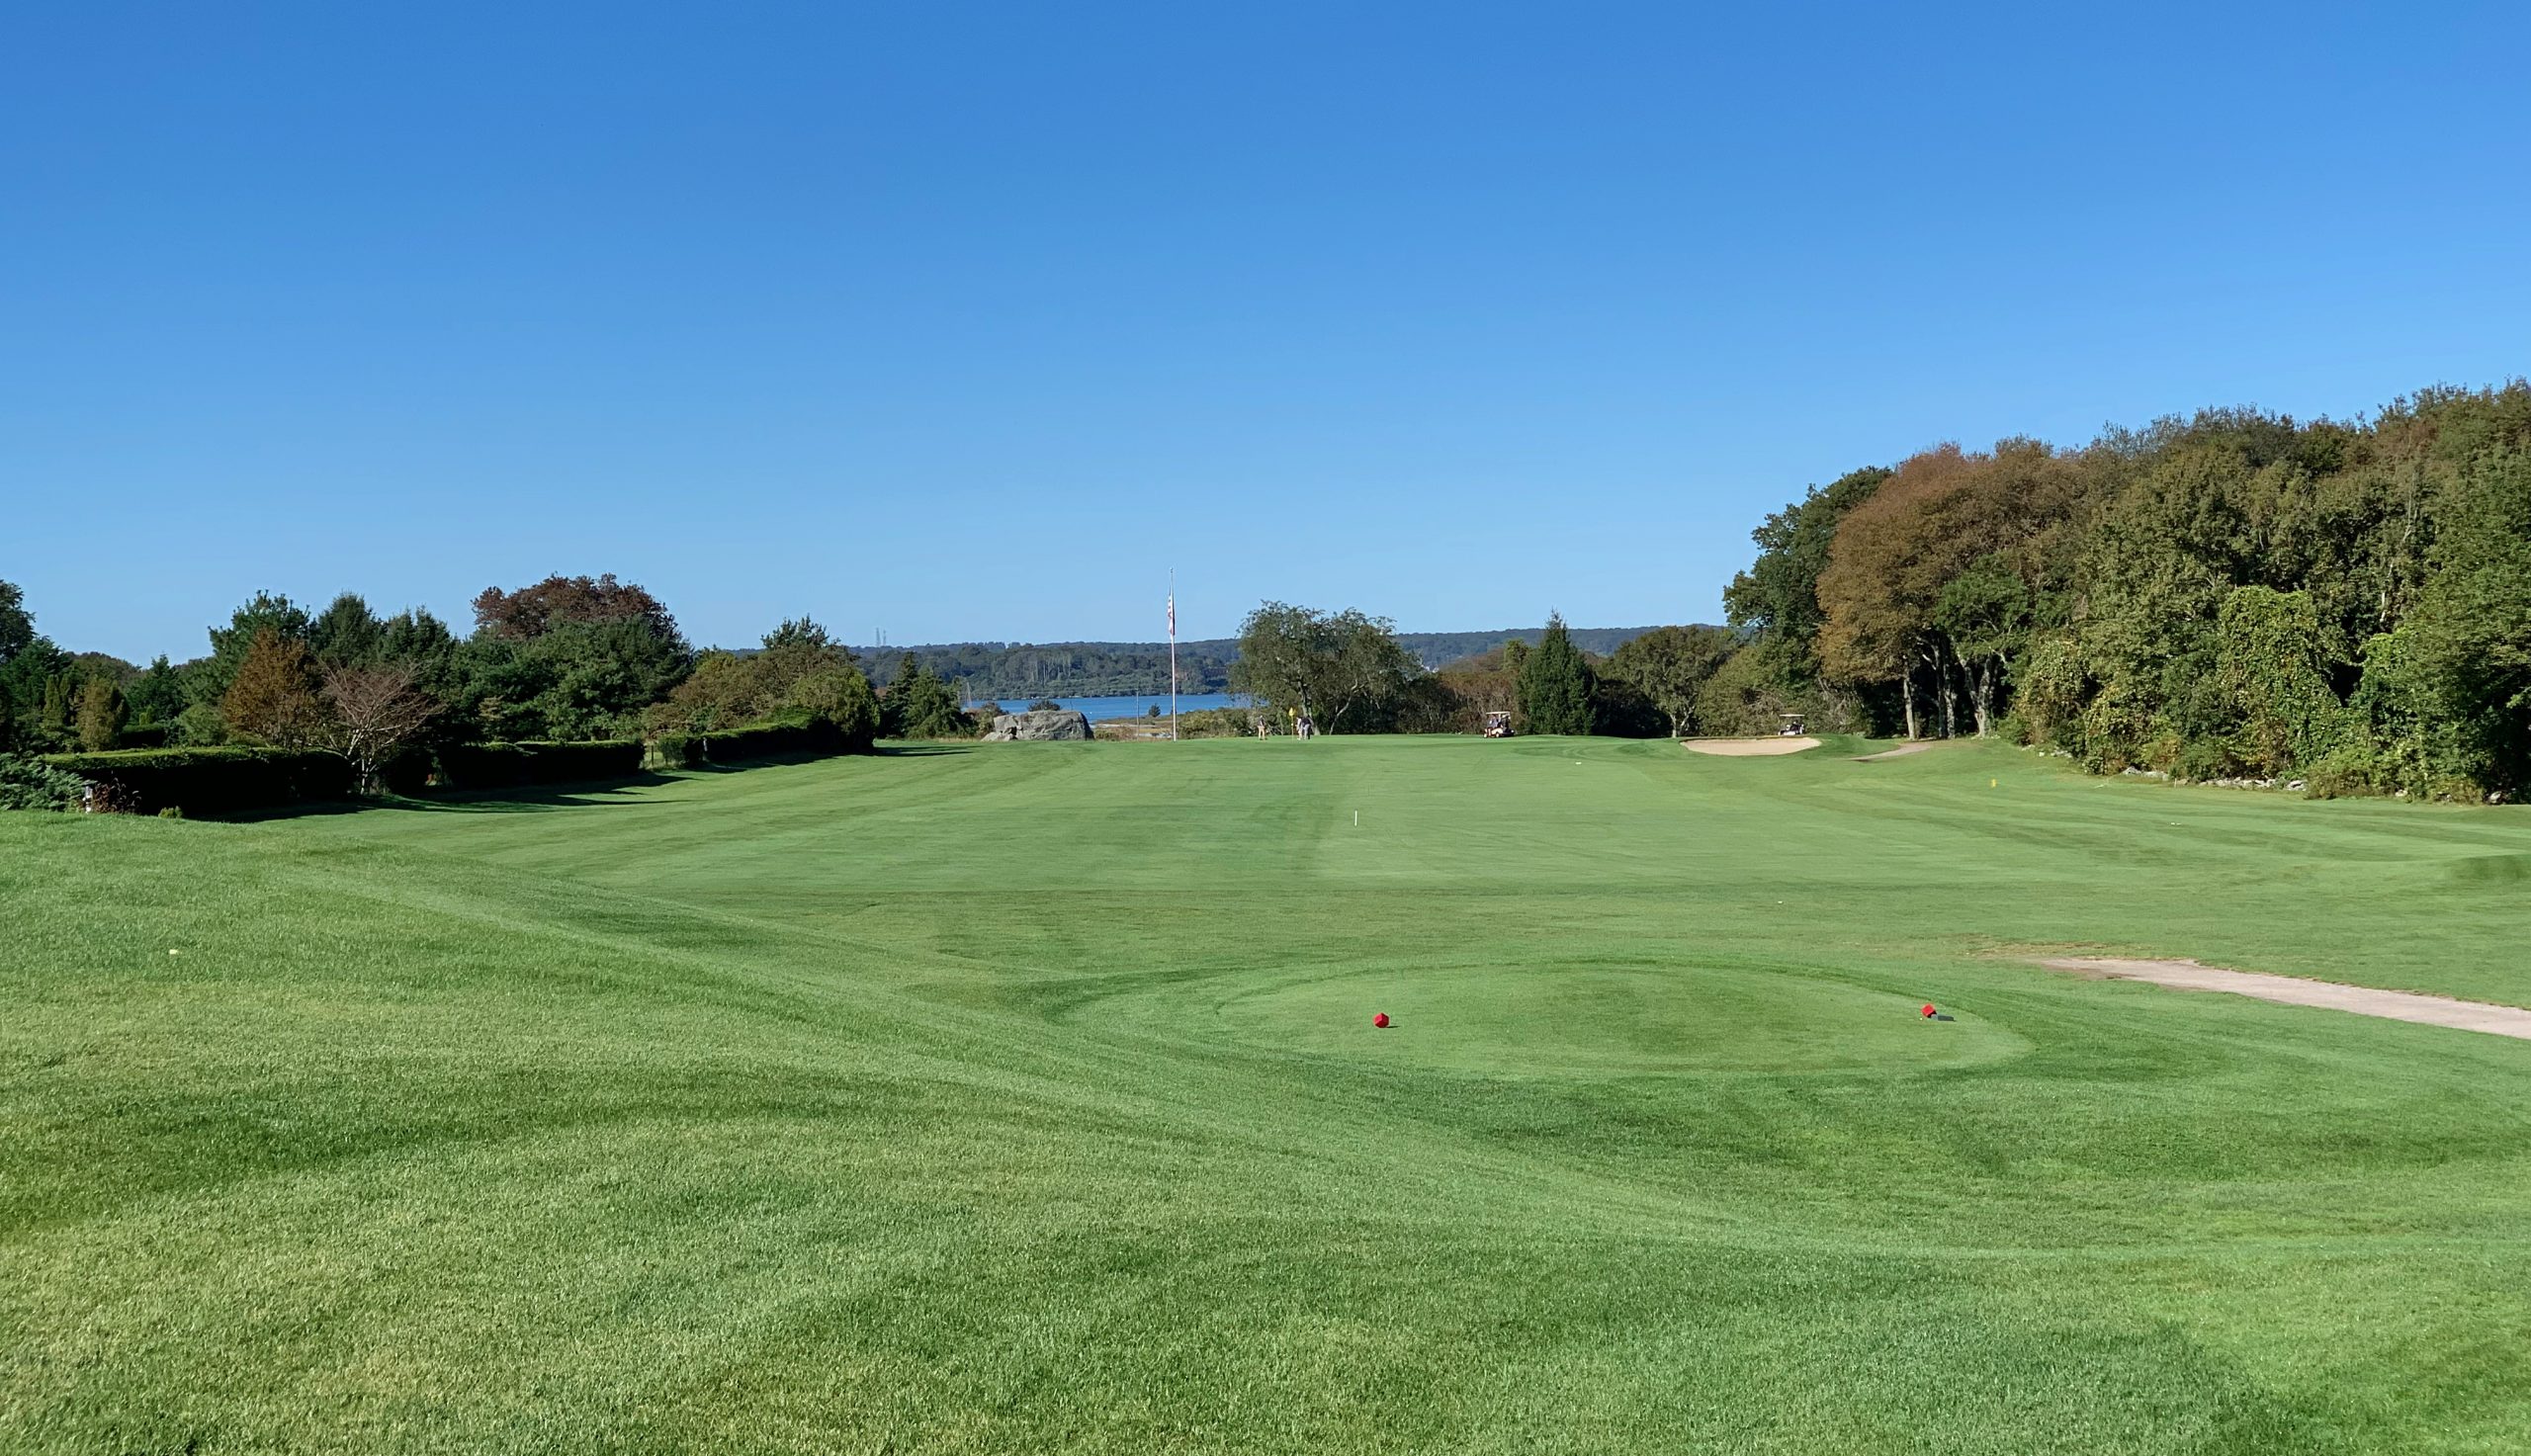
(208, 780)
(512, 765)
(813, 736)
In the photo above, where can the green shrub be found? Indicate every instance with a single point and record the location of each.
(30, 783)
(1219, 723)
(2273, 677)
(2201, 760)
(207, 781)
(2049, 693)
(673, 750)
(787, 735)
(514, 765)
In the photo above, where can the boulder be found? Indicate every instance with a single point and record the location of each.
(1039, 727)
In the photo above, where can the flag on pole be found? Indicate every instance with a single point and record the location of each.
(1173, 614)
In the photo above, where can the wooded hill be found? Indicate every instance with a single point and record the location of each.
(1097, 669)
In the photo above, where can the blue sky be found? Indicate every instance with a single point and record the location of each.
(967, 321)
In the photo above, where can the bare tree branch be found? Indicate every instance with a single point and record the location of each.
(377, 712)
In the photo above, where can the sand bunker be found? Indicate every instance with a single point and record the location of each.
(1748, 748)
(2292, 990)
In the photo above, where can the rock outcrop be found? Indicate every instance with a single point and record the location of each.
(1039, 727)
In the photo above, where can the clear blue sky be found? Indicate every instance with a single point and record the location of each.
(966, 321)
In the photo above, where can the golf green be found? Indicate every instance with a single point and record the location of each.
(1025, 1097)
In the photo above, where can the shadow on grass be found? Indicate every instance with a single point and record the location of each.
(524, 799)
(544, 798)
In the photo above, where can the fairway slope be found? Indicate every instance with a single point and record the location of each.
(1026, 1097)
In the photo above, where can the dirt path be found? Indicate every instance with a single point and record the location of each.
(1902, 751)
(1748, 748)
(2292, 990)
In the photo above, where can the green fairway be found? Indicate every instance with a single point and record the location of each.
(1024, 1097)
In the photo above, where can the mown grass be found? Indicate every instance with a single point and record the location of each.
(1024, 1097)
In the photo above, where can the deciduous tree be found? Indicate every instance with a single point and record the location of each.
(274, 697)
(1343, 670)
(533, 611)
(1670, 666)
(377, 710)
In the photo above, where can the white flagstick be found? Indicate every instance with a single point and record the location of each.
(1173, 654)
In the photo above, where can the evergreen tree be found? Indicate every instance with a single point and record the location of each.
(347, 633)
(920, 705)
(17, 624)
(101, 715)
(53, 723)
(1555, 684)
(157, 695)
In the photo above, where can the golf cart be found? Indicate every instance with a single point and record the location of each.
(1791, 725)
(1498, 724)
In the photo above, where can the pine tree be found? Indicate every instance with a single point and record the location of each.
(55, 724)
(1555, 684)
(925, 706)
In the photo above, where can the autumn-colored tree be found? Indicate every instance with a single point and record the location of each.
(265, 611)
(1893, 611)
(274, 697)
(532, 611)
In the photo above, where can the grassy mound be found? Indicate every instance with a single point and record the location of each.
(1026, 1099)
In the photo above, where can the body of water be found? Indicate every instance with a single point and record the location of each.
(1100, 710)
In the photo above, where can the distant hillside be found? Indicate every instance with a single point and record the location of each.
(1018, 670)
(1433, 648)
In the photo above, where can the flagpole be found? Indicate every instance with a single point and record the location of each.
(1173, 654)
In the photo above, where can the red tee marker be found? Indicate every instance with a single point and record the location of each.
(1929, 1008)
(1381, 1020)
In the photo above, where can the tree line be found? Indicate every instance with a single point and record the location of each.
(565, 660)
(996, 670)
(1348, 672)
(2231, 595)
